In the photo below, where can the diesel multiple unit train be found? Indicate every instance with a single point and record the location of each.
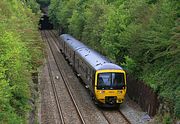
(105, 80)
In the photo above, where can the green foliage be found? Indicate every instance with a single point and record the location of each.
(76, 24)
(95, 18)
(14, 61)
(53, 11)
(129, 65)
(167, 119)
(114, 37)
(177, 102)
(142, 35)
(33, 5)
(43, 3)
(20, 54)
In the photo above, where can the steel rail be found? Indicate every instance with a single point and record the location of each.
(105, 117)
(124, 117)
(53, 85)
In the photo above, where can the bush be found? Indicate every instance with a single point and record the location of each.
(20, 54)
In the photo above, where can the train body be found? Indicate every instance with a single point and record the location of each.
(105, 80)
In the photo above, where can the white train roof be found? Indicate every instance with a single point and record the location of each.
(72, 42)
(93, 58)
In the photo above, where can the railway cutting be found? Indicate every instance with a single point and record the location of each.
(68, 101)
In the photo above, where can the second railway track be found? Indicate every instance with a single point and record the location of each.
(52, 47)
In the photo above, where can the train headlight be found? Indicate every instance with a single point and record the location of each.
(102, 92)
(120, 91)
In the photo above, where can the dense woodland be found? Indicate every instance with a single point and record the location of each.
(141, 35)
(20, 55)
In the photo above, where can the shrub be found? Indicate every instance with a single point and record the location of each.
(20, 54)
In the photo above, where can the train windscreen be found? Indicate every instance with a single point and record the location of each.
(112, 81)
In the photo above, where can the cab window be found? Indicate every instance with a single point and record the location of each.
(110, 81)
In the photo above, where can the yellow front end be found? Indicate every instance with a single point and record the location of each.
(101, 95)
(117, 95)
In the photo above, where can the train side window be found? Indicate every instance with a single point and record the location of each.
(67, 49)
(86, 72)
(90, 73)
(78, 63)
(82, 68)
(69, 53)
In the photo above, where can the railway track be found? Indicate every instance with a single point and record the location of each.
(52, 47)
(53, 86)
(114, 113)
(124, 117)
(55, 93)
(52, 33)
(109, 122)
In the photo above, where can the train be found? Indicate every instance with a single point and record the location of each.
(105, 80)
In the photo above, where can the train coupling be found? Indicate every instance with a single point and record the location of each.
(110, 100)
(87, 86)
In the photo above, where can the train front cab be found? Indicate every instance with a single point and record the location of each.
(110, 87)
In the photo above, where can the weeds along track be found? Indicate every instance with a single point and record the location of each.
(73, 110)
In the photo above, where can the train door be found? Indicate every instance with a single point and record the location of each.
(68, 53)
(74, 59)
(71, 56)
(76, 63)
(60, 43)
(88, 76)
(62, 46)
(65, 49)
